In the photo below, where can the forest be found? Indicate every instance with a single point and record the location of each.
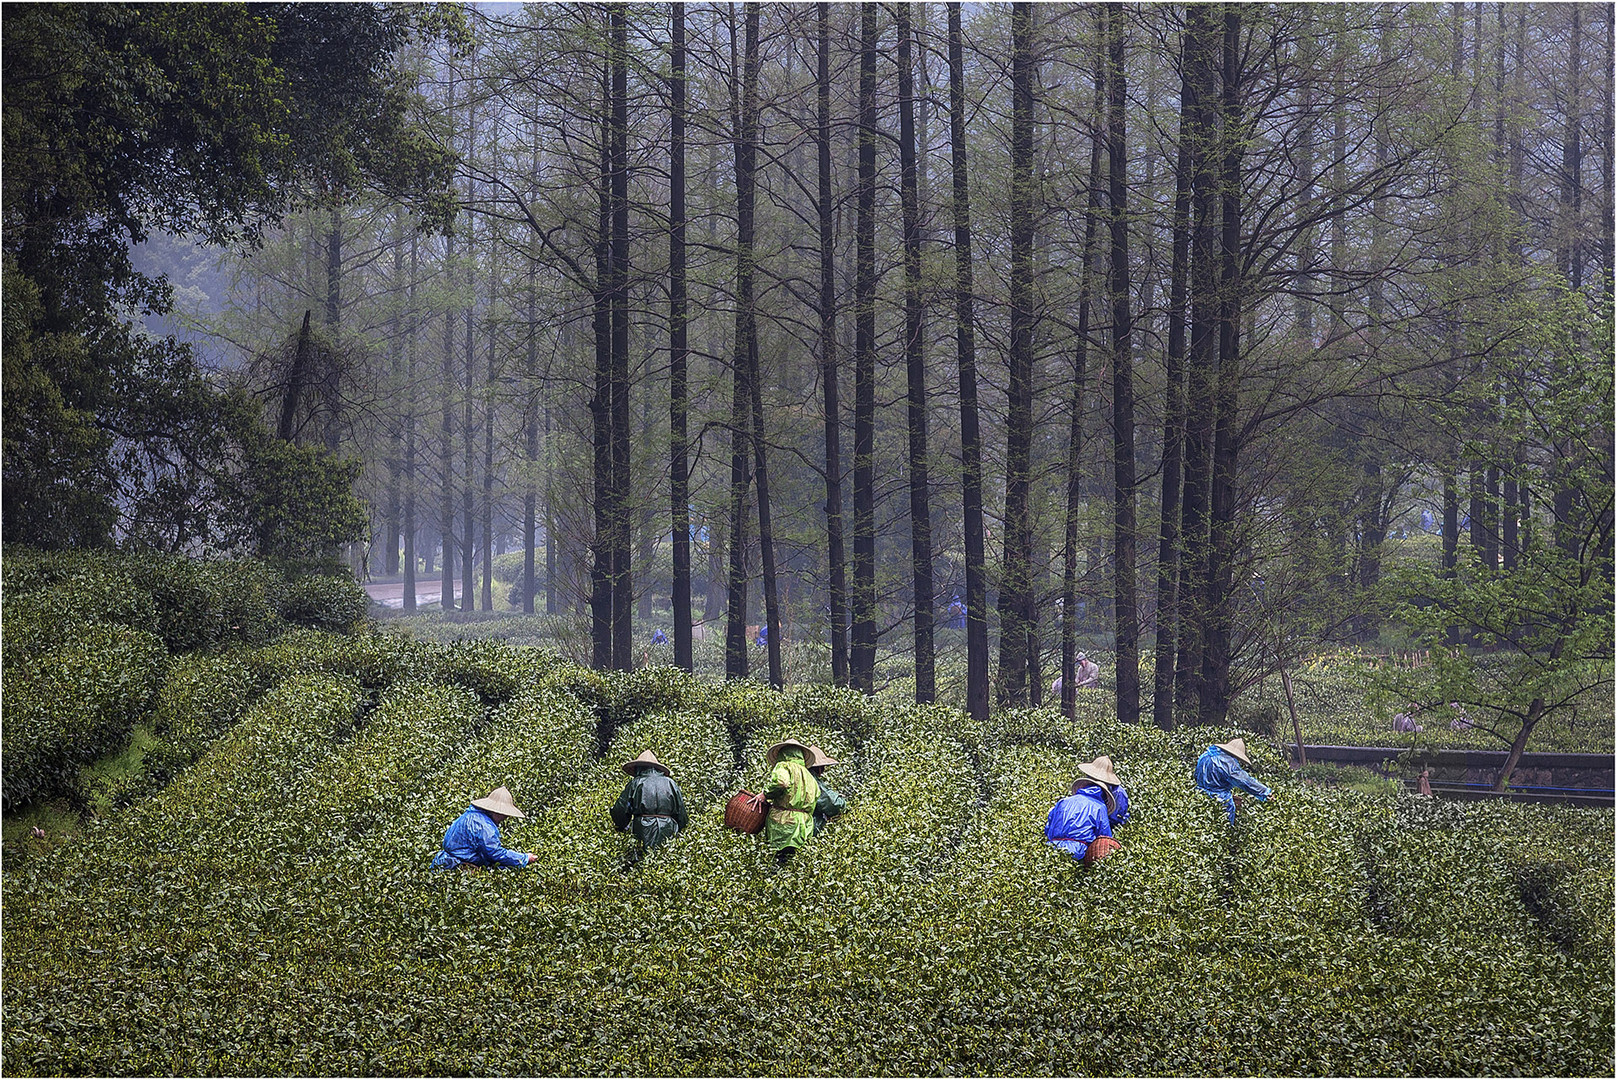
(1232, 332)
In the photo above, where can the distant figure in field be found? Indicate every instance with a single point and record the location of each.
(1462, 719)
(957, 614)
(473, 840)
(829, 803)
(651, 807)
(1219, 773)
(1405, 721)
(763, 635)
(1081, 824)
(793, 793)
(658, 637)
(1087, 672)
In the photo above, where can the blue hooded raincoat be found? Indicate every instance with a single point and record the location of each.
(474, 838)
(1077, 820)
(1219, 773)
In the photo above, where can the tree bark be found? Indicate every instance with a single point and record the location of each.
(1173, 416)
(678, 354)
(1125, 610)
(1075, 426)
(1215, 689)
(835, 554)
(1201, 59)
(915, 369)
(862, 666)
(966, 352)
(1015, 598)
(622, 575)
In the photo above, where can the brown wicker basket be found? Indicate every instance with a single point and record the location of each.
(745, 812)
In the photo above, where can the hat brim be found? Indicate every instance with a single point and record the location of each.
(503, 809)
(773, 753)
(1096, 772)
(630, 766)
(1238, 754)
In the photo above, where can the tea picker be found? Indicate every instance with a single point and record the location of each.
(472, 841)
(792, 792)
(830, 803)
(1081, 823)
(651, 807)
(1219, 773)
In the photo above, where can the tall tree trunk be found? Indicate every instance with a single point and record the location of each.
(746, 187)
(1123, 520)
(966, 353)
(395, 458)
(915, 368)
(1201, 60)
(1017, 577)
(1075, 427)
(678, 354)
(622, 533)
(601, 547)
(486, 599)
(410, 524)
(1173, 417)
(862, 666)
(1219, 605)
(446, 451)
(468, 556)
(735, 640)
(835, 555)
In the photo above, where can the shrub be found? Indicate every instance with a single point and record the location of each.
(73, 704)
(335, 603)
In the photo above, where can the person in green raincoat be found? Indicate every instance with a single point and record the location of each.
(792, 792)
(830, 803)
(651, 806)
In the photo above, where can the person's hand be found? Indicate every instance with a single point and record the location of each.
(532, 858)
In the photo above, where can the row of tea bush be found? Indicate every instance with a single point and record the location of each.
(270, 911)
(94, 643)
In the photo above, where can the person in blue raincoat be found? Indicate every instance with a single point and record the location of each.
(1108, 775)
(1081, 823)
(1219, 774)
(473, 839)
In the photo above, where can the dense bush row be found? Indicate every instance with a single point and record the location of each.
(95, 644)
(270, 910)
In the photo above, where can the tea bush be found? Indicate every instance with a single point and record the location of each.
(324, 602)
(271, 912)
(71, 704)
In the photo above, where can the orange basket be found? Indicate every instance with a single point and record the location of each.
(745, 812)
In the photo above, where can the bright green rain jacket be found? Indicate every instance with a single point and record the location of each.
(792, 792)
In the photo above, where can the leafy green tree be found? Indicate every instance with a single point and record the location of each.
(204, 120)
(1537, 639)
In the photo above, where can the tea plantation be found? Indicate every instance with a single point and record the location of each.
(266, 907)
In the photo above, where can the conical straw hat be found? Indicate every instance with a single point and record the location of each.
(646, 758)
(1100, 769)
(818, 759)
(499, 801)
(774, 751)
(1237, 747)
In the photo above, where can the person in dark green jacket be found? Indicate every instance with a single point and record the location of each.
(792, 792)
(830, 803)
(651, 806)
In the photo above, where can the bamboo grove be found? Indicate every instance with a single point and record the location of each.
(1155, 320)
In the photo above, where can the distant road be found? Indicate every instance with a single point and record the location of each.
(390, 594)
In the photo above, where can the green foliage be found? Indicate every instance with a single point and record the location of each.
(69, 705)
(299, 499)
(278, 886)
(325, 603)
(118, 121)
